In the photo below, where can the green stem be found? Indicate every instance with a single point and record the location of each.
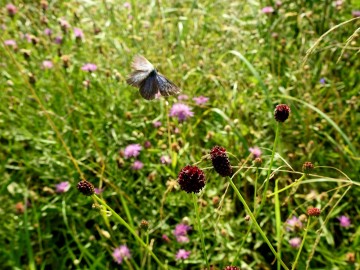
(302, 244)
(250, 226)
(255, 188)
(200, 230)
(263, 199)
(278, 223)
(130, 229)
(297, 182)
(253, 219)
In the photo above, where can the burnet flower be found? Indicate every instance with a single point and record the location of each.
(220, 161)
(191, 179)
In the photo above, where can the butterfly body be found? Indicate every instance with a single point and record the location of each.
(149, 81)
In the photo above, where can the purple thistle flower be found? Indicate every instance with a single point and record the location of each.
(78, 33)
(322, 81)
(267, 10)
(28, 37)
(62, 187)
(120, 253)
(200, 100)
(165, 160)
(58, 40)
(137, 165)
(132, 150)
(10, 42)
(255, 151)
(166, 238)
(182, 239)
(147, 144)
(295, 242)
(181, 111)
(89, 67)
(344, 221)
(182, 254)
(157, 124)
(181, 229)
(355, 13)
(47, 64)
(64, 24)
(183, 97)
(11, 9)
(47, 31)
(293, 223)
(98, 191)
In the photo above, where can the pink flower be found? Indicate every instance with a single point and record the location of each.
(28, 37)
(293, 224)
(137, 165)
(183, 97)
(64, 24)
(132, 150)
(47, 64)
(157, 124)
(200, 100)
(62, 187)
(182, 239)
(89, 67)
(127, 5)
(344, 221)
(295, 242)
(11, 9)
(11, 43)
(165, 160)
(78, 33)
(120, 253)
(182, 254)
(47, 31)
(147, 144)
(98, 190)
(267, 10)
(58, 39)
(181, 111)
(181, 229)
(355, 13)
(338, 3)
(255, 151)
(166, 238)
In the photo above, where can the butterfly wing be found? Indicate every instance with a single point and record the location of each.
(148, 87)
(165, 86)
(141, 70)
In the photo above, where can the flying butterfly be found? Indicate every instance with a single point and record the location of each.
(149, 81)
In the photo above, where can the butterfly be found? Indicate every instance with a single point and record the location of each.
(149, 81)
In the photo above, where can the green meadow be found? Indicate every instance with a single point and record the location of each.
(94, 176)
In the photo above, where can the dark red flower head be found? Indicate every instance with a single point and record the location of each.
(220, 161)
(307, 167)
(313, 212)
(282, 112)
(231, 268)
(191, 179)
(86, 188)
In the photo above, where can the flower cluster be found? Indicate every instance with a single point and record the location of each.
(191, 179)
(220, 161)
(181, 232)
(86, 188)
(120, 253)
(181, 111)
(282, 112)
